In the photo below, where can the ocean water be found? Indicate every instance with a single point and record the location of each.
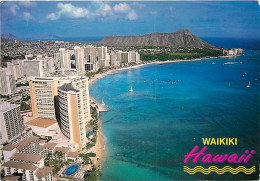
(173, 106)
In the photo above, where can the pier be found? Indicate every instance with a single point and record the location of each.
(101, 108)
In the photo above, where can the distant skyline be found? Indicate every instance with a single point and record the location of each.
(38, 19)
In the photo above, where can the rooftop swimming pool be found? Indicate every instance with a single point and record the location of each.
(71, 169)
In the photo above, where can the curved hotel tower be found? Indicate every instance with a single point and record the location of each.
(65, 99)
(74, 110)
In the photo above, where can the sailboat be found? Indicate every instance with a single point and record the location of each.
(248, 85)
(102, 103)
(131, 89)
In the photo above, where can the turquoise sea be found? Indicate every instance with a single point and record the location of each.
(173, 106)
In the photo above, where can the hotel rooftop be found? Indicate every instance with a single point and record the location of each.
(43, 123)
(26, 157)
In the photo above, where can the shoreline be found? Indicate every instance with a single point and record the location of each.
(111, 71)
(100, 146)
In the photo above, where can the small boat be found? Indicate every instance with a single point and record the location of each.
(131, 89)
(248, 85)
(102, 103)
(213, 63)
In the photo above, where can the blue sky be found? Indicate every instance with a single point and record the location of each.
(232, 19)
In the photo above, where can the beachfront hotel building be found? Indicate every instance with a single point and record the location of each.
(14, 170)
(74, 109)
(120, 58)
(103, 55)
(43, 92)
(7, 82)
(24, 166)
(12, 125)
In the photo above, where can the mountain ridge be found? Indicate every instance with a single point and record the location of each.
(180, 38)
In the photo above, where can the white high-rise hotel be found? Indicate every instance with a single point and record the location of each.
(12, 124)
(74, 109)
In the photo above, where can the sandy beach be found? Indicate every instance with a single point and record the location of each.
(101, 75)
(100, 146)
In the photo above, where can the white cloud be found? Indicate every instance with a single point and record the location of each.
(103, 10)
(9, 10)
(27, 3)
(125, 8)
(139, 5)
(153, 12)
(68, 11)
(122, 7)
(52, 16)
(13, 9)
(27, 16)
(132, 15)
(96, 10)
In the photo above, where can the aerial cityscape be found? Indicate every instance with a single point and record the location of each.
(115, 103)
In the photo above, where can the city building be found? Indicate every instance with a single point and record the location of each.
(7, 151)
(29, 145)
(12, 125)
(47, 149)
(64, 58)
(79, 59)
(233, 52)
(72, 114)
(7, 82)
(33, 68)
(26, 171)
(74, 109)
(15, 69)
(43, 127)
(36, 160)
(43, 93)
(104, 58)
(114, 60)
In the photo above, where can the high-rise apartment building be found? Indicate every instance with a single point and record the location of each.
(12, 124)
(74, 109)
(64, 56)
(120, 58)
(79, 58)
(7, 82)
(103, 56)
(43, 92)
(33, 68)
